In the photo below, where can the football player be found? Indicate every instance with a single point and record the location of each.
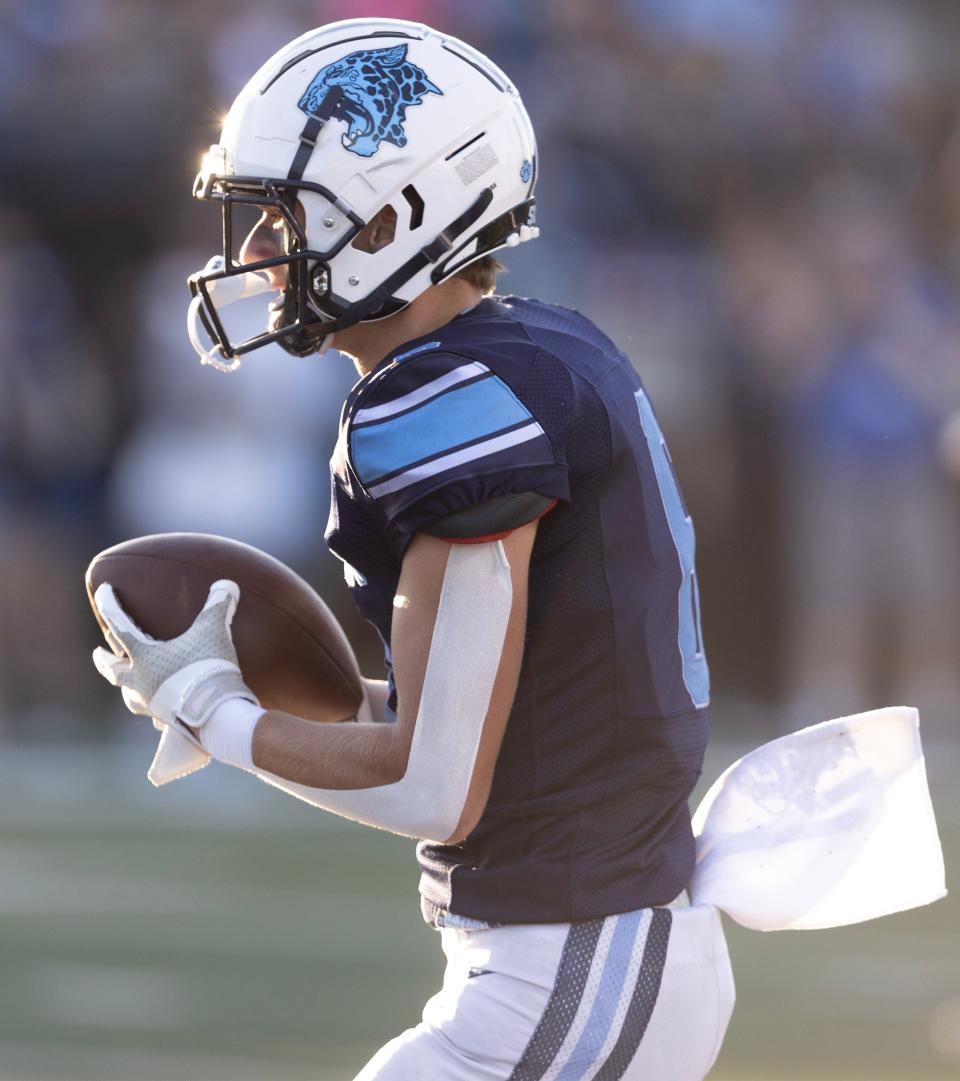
(508, 518)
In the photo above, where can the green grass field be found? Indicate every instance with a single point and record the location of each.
(217, 929)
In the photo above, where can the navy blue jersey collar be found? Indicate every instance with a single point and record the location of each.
(488, 306)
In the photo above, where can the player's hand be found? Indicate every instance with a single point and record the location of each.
(181, 680)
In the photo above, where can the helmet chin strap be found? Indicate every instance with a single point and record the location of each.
(305, 342)
(329, 106)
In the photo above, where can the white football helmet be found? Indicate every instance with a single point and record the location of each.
(344, 121)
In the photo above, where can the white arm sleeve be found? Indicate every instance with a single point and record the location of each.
(465, 650)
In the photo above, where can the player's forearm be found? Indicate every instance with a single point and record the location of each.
(330, 756)
(415, 776)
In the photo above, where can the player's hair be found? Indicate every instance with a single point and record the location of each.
(483, 273)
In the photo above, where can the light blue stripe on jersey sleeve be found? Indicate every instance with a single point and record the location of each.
(413, 352)
(460, 416)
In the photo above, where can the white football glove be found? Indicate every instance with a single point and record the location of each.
(178, 682)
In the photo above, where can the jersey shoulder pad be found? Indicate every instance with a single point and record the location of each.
(437, 422)
(420, 420)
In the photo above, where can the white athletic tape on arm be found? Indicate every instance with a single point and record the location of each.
(828, 826)
(228, 734)
(465, 651)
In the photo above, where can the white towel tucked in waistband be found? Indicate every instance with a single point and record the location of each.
(827, 826)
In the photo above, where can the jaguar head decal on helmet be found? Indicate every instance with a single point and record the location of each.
(346, 121)
(378, 86)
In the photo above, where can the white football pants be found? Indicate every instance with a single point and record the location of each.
(641, 996)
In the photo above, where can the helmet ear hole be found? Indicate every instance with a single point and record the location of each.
(412, 196)
(379, 232)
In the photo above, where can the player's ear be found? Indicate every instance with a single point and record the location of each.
(379, 231)
(385, 227)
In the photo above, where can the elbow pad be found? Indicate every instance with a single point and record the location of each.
(465, 650)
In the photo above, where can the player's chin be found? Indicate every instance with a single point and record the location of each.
(301, 342)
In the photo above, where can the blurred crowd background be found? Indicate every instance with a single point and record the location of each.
(758, 199)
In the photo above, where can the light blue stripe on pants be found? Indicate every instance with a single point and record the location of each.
(641, 996)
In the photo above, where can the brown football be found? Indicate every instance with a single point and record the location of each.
(293, 654)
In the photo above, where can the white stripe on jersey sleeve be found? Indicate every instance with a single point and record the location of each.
(421, 394)
(448, 461)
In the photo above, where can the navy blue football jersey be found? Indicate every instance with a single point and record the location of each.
(588, 812)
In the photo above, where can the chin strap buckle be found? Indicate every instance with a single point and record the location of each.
(438, 247)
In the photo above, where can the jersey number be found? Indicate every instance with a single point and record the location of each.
(696, 676)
